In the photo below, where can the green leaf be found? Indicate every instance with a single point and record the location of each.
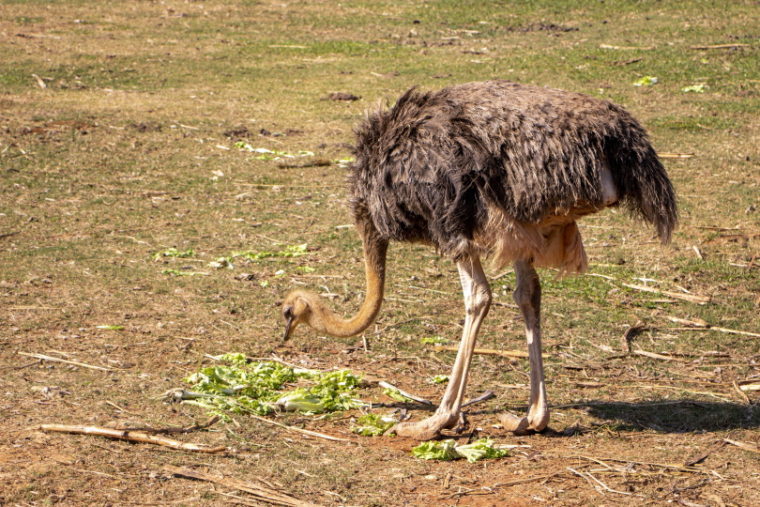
(436, 449)
(482, 449)
(645, 81)
(697, 88)
(448, 450)
(433, 340)
(372, 425)
(173, 252)
(394, 394)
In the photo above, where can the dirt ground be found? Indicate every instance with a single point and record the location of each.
(128, 129)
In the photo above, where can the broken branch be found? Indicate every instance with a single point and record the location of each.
(130, 436)
(692, 298)
(405, 394)
(720, 46)
(66, 361)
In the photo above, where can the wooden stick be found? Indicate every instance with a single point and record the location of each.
(299, 430)
(692, 298)
(743, 396)
(721, 46)
(187, 429)
(653, 355)
(675, 155)
(66, 361)
(483, 397)
(743, 445)
(411, 396)
(488, 352)
(701, 324)
(131, 436)
(626, 48)
(699, 459)
(749, 385)
(259, 491)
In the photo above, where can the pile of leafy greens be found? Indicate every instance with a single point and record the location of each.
(241, 387)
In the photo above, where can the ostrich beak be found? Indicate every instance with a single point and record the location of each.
(289, 327)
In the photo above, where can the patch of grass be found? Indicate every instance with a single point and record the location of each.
(692, 123)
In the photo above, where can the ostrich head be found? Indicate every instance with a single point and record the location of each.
(296, 308)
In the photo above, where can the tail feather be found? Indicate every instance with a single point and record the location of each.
(641, 179)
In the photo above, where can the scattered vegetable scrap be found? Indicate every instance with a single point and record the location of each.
(433, 340)
(697, 88)
(177, 272)
(447, 450)
(288, 251)
(173, 252)
(394, 394)
(267, 154)
(645, 81)
(373, 425)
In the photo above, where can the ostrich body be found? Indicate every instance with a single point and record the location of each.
(491, 169)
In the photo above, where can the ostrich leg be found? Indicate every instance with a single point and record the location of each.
(528, 298)
(477, 300)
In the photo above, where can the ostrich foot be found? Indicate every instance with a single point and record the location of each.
(426, 429)
(536, 421)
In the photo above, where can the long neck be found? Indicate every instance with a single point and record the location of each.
(375, 249)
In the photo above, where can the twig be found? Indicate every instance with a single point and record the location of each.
(703, 456)
(743, 445)
(628, 62)
(483, 397)
(583, 476)
(187, 429)
(743, 396)
(66, 361)
(692, 298)
(631, 333)
(526, 480)
(308, 163)
(14, 367)
(749, 385)
(299, 430)
(626, 48)
(702, 325)
(675, 155)
(646, 463)
(721, 46)
(418, 399)
(607, 488)
(653, 355)
(259, 491)
(488, 352)
(131, 436)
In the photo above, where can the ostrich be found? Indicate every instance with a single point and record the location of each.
(494, 169)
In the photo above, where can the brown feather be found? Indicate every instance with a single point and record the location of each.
(505, 168)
